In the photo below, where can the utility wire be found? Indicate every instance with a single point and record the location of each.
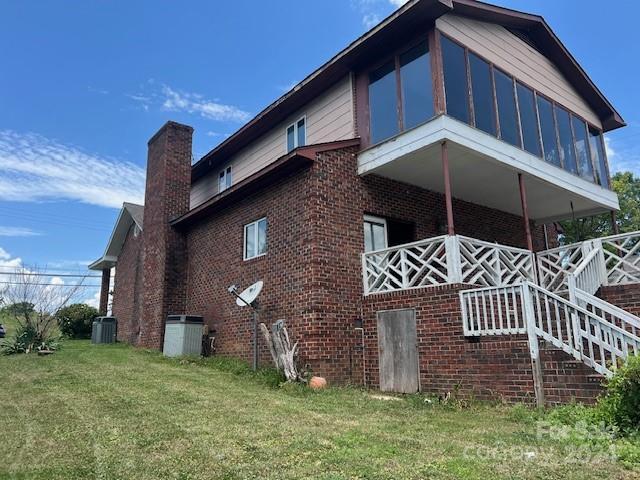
(50, 274)
(50, 284)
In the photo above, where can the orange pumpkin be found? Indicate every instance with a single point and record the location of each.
(317, 383)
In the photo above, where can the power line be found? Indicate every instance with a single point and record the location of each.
(49, 274)
(50, 284)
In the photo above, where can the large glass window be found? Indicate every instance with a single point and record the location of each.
(567, 154)
(255, 239)
(224, 179)
(585, 167)
(417, 92)
(528, 119)
(507, 114)
(548, 132)
(482, 89)
(598, 157)
(383, 102)
(455, 80)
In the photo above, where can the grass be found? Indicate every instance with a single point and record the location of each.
(117, 412)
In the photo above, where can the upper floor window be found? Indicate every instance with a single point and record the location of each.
(528, 119)
(548, 132)
(507, 113)
(598, 157)
(400, 93)
(581, 144)
(224, 179)
(482, 88)
(255, 239)
(456, 89)
(297, 134)
(567, 154)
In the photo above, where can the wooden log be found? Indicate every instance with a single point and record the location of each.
(282, 352)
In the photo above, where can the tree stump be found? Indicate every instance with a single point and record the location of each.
(282, 353)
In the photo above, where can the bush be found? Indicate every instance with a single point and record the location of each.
(75, 320)
(26, 340)
(621, 404)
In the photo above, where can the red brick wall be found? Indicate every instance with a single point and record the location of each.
(626, 297)
(165, 254)
(493, 368)
(127, 288)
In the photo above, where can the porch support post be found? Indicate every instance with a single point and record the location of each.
(525, 211)
(614, 223)
(104, 291)
(447, 188)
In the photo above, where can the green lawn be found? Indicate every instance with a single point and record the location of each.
(116, 412)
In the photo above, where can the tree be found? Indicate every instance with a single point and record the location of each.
(627, 186)
(75, 320)
(32, 303)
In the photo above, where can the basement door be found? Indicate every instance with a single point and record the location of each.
(398, 351)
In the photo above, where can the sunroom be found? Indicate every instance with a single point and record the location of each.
(439, 116)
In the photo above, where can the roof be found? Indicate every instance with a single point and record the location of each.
(286, 164)
(130, 214)
(402, 24)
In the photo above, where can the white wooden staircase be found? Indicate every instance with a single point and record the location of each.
(562, 308)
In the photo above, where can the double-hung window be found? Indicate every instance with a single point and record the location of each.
(255, 239)
(224, 179)
(297, 134)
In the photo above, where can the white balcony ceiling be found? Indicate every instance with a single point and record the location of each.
(484, 171)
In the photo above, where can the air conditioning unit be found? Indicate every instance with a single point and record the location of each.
(103, 330)
(183, 335)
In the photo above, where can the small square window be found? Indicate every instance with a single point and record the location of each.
(255, 239)
(224, 179)
(297, 134)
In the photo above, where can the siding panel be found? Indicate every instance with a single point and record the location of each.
(514, 56)
(330, 117)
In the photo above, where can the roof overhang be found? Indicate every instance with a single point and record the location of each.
(130, 214)
(295, 160)
(484, 171)
(402, 25)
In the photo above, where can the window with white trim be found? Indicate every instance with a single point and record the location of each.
(297, 134)
(375, 233)
(255, 239)
(224, 179)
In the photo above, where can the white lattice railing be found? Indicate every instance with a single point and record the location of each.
(598, 334)
(491, 265)
(620, 260)
(445, 260)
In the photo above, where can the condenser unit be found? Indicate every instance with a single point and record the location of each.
(103, 330)
(182, 335)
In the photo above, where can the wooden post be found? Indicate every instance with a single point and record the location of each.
(614, 223)
(525, 211)
(534, 350)
(447, 188)
(104, 291)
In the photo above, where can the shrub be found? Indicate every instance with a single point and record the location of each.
(26, 340)
(621, 404)
(75, 320)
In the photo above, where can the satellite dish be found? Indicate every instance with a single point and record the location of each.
(249, 295)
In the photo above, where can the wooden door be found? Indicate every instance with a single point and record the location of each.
(398, 351)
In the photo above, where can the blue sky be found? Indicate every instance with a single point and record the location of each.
(84, 84)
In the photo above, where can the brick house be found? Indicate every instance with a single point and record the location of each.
(392, 203)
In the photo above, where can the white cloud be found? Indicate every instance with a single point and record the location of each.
(609, 149)
(7, 261)
(93, 301)
(398, 3)
(175, 100)
(34, 168)
(370, 20)
(17, 232)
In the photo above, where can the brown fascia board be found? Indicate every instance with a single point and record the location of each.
(543, 37)
(403, 23)
(293, 161)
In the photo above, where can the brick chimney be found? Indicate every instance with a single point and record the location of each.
(164, 249)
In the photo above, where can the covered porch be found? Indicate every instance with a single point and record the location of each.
(458, 161)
